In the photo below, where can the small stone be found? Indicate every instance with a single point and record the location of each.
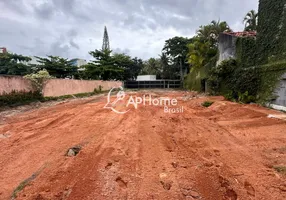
(175, 164)
(3, 136)
(208, 164)
(167, 185)
(108, 166)
(71, 153)
(58, 194)
(163, 175)
(282, 188)
(194, 194)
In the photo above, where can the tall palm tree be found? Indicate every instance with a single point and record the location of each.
(205, 32)
(219, 27)
(211, 31)
(250, 20)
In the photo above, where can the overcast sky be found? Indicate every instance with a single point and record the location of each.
(72, 28)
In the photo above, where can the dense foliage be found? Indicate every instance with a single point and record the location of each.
(202, 54)
(108, 66)
(19, 98)
(234, 82)
(259, 64)
(13, 64)
(251, 21)
(246, 51)
(176, 51)
(271, 40)
(103, 67)
(57, 66)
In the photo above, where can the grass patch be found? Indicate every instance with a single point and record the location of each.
(24, 98)
(281, 150)
(24, 183)
(207, 104)
(280, 169)
(79, 95)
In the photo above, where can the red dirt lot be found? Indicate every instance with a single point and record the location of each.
(224, 152)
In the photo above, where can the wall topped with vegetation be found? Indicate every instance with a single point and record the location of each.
(249, 84)
(259, 64)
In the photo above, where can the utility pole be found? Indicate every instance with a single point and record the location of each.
(105, 43)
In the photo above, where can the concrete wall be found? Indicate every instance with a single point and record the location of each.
(55, 87)
(60, 87)
(226, 46)
(281, 92)
(17, 83)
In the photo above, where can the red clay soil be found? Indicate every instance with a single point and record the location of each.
(226, 151)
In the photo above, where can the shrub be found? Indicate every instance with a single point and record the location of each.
(280, 169)
(98, 91)
(38, 79)
(207, 104)
(220, 76)
(19, 98)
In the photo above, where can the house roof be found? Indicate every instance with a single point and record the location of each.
(242, 34)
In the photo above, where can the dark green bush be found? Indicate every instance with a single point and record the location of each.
(221, 75)
(207, 104)
(98, 90)
(236, 84)
(19, 98)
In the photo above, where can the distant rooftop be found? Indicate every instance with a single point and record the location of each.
(242, 34)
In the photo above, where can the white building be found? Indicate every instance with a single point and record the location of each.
(146, 78)
(33, 61)
(78, 62)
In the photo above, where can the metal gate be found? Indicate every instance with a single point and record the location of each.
(153, 84)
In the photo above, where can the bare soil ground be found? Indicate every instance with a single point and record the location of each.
(226, 151)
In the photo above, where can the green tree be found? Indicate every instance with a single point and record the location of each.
(152, 67)
(206, 33)
(251, 20)
(200, 52)
(219, 27)
(13, 64)
(124, 62)
(211, 32)
(168, 71)
(176, 50)
(104, 66)
(133, 69)
(57, 66)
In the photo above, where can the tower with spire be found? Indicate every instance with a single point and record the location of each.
(105, 43)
